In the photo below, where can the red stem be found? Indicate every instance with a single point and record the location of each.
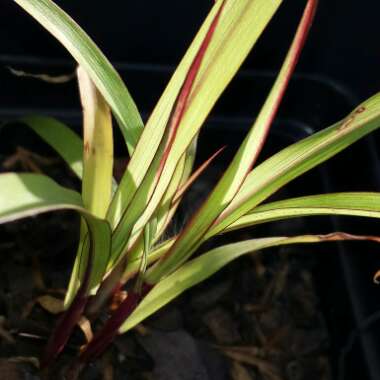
(110, 329)
(63, 330)
(69, 319)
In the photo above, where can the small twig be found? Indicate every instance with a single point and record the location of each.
(53, 79)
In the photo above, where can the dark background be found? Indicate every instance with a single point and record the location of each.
(343, 44)
(146, 39)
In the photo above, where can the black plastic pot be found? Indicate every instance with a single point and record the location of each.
(312, 102)
(343, 43)
(357, 169)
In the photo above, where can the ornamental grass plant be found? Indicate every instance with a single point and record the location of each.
(123, 244)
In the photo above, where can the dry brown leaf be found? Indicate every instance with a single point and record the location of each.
(277, 337)
(239, 372)
(277, 285)
(26, 359)
(281, 279)
(51, 304)
(141, 329)
(222, 326)
(85, 325)
(4, 333)
(38, 277)
(118, 299)
(29, 161)
(259, 267)
(54, 79)
(255, 351)
(376, 277)
(255, 308)
(247, 355)
(108, 372)
(27, 309)
(11, 371)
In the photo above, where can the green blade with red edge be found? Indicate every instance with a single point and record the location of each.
(352, 204)
(230, 26)
(241, 164)
(363, 204)
(202, 267)
(149, 179)
(97, 167)
(175, 199)
(60, 137)
(163, 215)
(181, 175)
(240, 25)
(167, 207)
(297, 159)
(88, 55)
(141, 199)
(165, 211)
(155, 254)
(24, 195)
(197, 173)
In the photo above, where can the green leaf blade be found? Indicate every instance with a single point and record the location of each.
(24, 195)
(88, 55)
(298, 158)
(239, 27)
(349, 204)
(242, 162)
(202, 267)
(61, 138)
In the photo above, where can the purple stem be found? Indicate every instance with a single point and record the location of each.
(69, 319)
(110, 329)
(63, 330)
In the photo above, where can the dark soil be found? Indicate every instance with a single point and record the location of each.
(260, 318)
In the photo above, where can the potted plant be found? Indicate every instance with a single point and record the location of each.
(123, 224)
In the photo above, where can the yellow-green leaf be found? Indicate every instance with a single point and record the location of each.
(298, 158)
(202, 267)
(354, 204)
(24, 195)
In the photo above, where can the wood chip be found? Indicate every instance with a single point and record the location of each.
(247, 356)
(108, 372)
(4, 333)
(38, 277)
(141, 329)
(51, 304)
(222, 325)
(239, 372)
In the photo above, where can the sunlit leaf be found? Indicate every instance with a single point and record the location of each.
(24, 195)
(298, 158)
(97, 168)
(240, 25)
(142, 203)
(97, 147)
(202, 267)
(241, 164)
(354, 204)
